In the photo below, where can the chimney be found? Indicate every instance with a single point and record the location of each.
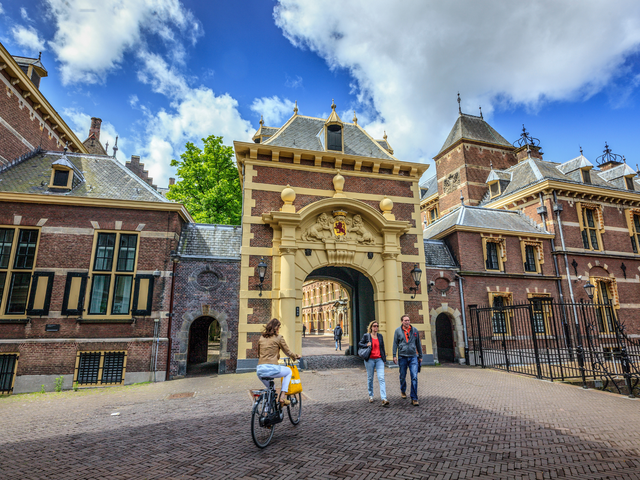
(172, 181)
(95, 128)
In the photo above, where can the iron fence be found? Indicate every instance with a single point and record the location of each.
(556, 341)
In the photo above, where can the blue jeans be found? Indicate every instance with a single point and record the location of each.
(412, 363)
(339, 343)
(378, 365)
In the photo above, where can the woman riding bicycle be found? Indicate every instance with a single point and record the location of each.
(269, 346)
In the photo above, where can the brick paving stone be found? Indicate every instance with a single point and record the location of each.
(471, 423)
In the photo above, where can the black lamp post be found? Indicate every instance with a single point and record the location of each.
(416, 273)
(589, 288)
(262, 271)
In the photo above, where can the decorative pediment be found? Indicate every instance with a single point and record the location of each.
(338, 226)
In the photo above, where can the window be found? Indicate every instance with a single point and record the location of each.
(586, 176)
(634, 230)
(100, 368)
(590, 232)
(18, 249)
(494, 188)
(629, 182)
(532, 255)
(113, 273)
(530, 264)
(604, 305)
(541, 308)
(61, 177)
(494, 253)
(500, 319)
(433, 214)
(8, 367)
(334, 137)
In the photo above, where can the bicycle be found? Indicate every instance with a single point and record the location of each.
(267, 412)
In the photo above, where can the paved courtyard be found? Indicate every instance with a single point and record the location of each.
(471, 423)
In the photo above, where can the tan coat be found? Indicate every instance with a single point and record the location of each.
(269, 350)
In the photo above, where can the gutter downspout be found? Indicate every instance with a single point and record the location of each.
(464, 322)
(173, 282)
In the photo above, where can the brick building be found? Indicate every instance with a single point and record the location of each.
(325, 304)
(27, 120)
(520, 227)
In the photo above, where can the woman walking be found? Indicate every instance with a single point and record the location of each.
(376, 360)
(269, 346)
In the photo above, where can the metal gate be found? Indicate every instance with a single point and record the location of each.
(556, 341)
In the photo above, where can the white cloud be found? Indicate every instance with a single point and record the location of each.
(1, 9)
(195, 113)
(28, 38)
(273, 110)
(24, 14)
(293, 82)
(91, 42)
(408, 63)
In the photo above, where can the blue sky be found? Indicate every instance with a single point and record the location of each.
(163, 72)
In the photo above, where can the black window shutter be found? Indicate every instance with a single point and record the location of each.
(67, 291)
(37, 277)
(142, 310)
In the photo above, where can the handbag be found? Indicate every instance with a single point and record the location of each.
(364, 352)
(295, 385)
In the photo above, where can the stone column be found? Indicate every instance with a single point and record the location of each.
(288, 299)
(392, 307)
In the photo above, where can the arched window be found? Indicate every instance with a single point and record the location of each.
(334, 137)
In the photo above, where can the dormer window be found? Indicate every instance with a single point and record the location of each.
(494, 189)
(334, 137)
(61, 177)
(586, 176)
(629, 182)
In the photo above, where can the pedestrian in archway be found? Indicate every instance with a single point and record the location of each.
(406, 343)
(304, 330)
(376, 360)
(337, 336)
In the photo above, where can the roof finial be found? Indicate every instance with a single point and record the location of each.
(295, 108)
(529, 151)
(40, 56)
(66, 147)
(261, 121)
(461, 199)
(355, 119)
(491, 164)
(459, 108)
(481, 112)
(385, 136)
(333, 105)
(106, 147)
(624, 159)
(581, 151)
(115, 147)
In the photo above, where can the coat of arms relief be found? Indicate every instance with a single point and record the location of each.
(341, 229)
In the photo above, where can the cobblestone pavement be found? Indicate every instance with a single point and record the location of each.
(323, 345)
(471, 423)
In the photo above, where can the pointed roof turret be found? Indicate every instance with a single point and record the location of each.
(470, 127)
(295, 108)
(333, 118)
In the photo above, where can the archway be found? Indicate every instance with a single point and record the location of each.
(203, 355)
(444, 339)
(351, 305)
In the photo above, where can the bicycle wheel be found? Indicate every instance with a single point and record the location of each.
(295, 409)
(261, 435)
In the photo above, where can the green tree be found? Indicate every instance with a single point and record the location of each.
(208, 183)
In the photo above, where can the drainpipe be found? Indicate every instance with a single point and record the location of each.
(558, 208)
(464, 321)
(542, 210)
(174, 262)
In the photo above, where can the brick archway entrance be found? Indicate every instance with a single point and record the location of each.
(203, 356)
(444, 338)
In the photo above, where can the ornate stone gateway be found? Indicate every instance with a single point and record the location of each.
(350, 207)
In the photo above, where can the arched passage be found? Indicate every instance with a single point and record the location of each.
(203, 356)
(444, 339)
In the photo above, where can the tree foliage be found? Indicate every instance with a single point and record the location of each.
(208, 183)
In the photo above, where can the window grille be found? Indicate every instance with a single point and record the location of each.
(8, 364)
(100, 368)
(530, 261)
(492, 256)
(589, 233)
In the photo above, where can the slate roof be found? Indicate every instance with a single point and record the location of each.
(436, 254)
(428, 187)
(475, 128)
(206, 241)
(98, 177)
(302, 132)
(533, 170)
(485, 218)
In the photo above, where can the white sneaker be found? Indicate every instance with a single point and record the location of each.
(370, 399)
